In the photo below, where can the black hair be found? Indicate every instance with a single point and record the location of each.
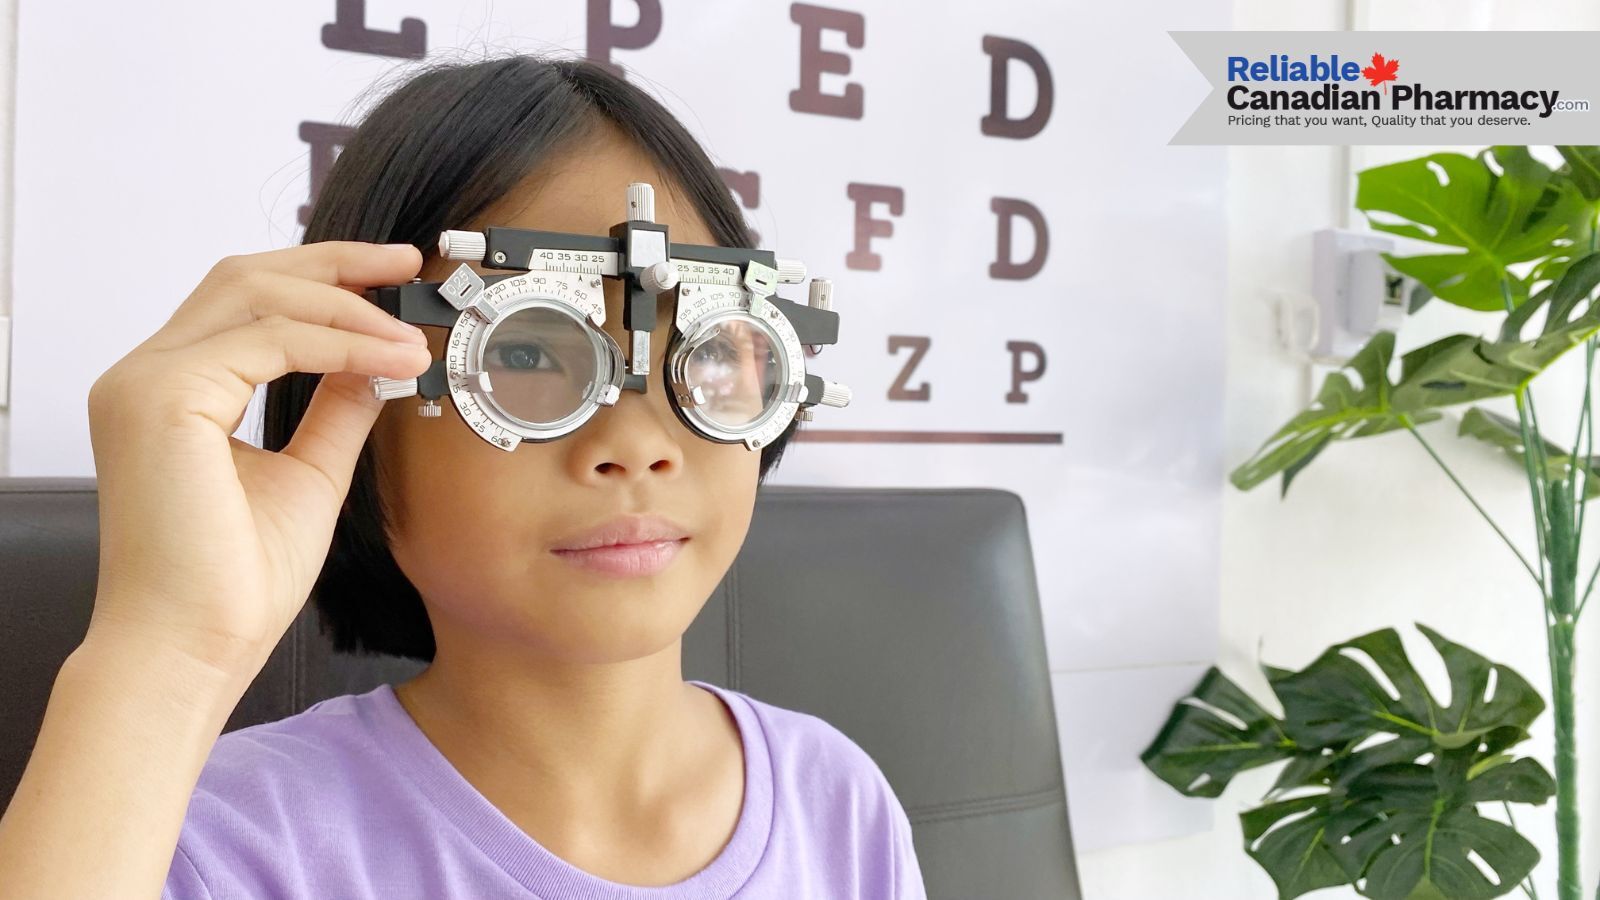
(433, 154)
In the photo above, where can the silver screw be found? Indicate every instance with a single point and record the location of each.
(499, 256)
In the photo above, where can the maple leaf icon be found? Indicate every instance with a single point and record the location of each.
(1381, 70)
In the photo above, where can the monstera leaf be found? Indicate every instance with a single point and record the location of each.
(1583, 169)
(1382, 782)
(1503, 432)
(1353, 402)
(1575, 279)
(1495, 218)
(1337, 698)
(1214, 734)
(1460, 368)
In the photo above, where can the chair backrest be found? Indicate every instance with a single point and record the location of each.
(907, 618)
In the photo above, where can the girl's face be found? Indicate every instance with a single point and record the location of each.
(474, 527)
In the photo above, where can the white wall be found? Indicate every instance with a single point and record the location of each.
(8, 107)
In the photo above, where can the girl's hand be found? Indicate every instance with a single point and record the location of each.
(210, 545)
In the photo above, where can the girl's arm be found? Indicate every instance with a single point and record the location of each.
(99, 808)
(209, 547)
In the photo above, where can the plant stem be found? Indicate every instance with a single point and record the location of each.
(1528, 887)
(1411, 427)
(1559, 596)
(1560, 643)
(1541, 457)
(1582, 456)
(1563, 651)
(1536, 484)
(1579, 458)
(1594, 246)
(1531, 444)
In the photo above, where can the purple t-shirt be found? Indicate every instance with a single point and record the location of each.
(350, 800)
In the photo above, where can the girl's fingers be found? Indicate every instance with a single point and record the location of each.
(335, 426)
(216, 377)
(356, 263)
(258, 293)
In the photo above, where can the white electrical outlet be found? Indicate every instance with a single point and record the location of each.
(1356, 293)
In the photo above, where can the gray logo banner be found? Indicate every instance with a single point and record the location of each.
(1394, 87)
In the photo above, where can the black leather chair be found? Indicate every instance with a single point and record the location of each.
(908, 618)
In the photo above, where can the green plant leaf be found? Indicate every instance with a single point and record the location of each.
(1511, 780)
(1400, 831)
(1418, 297)
(1462, 368)
(1505, 433)
(1405, 826)
(1575, 284)
(1562, 197)
(1572, 280)
(1496, 219)
(1303, 769)
(1408, 839)
(1342, 410)
(1583, 167)
(1337, 699)
(1380, 789)
(1457, 369)
(1202, 745)
(1287, 839)
(1511, 327)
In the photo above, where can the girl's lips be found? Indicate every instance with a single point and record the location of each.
(626, 560)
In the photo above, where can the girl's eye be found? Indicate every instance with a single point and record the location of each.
(528, 357)
(721, 350)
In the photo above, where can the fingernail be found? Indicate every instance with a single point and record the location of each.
(400, 246)
(410, 332)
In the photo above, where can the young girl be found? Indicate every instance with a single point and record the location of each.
(551, 748)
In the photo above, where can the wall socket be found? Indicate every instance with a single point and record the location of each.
(1357, 294)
